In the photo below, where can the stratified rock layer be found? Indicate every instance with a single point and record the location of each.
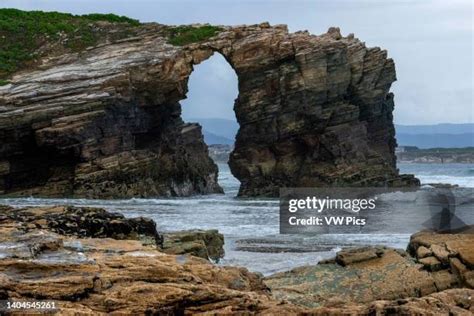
(103, 123)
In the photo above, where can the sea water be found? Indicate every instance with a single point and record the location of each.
(452, 173)
(251, 225)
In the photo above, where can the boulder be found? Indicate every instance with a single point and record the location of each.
(445, 279)
(431, 263)
(423, 252)
(440, 253)
(457, 266)
(348, 256)
(206, 244)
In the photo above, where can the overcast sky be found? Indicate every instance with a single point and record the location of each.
(430, 41)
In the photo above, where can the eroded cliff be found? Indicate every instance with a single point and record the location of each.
(105, 121)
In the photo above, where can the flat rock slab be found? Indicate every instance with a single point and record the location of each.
(350, 256)
(389, 276)
(439, 262)
(423, 252)
(431, 263)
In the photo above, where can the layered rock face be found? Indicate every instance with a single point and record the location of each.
(313, 111)
(105, 122)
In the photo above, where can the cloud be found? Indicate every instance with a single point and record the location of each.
(212, 90)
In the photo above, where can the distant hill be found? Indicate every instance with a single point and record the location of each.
(436, 140)
(436, 129)
(217, 130)
(438, 135)
(213, 139)
(436, 155)
(223, 131)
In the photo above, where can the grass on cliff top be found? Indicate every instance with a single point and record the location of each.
(24, 34)
(186, 34)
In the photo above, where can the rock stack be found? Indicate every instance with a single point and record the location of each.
(105, 122)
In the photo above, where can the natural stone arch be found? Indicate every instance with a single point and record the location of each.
(313, 111)
(336, 92)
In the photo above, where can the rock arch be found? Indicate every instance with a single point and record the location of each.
(313, 110)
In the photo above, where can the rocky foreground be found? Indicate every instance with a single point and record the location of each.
(105, 121)
(93, 262)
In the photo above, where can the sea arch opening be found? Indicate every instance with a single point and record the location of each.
(212, 91)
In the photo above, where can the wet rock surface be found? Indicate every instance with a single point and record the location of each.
(380, 273)
(82, 222)
(87, 275)
(105, 122)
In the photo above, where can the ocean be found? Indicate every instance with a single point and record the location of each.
(453, 173)
(251, 226)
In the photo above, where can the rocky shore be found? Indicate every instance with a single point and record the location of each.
(94, 262)
(363, 275)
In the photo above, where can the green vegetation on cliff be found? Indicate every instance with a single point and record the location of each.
(27, 35)
(187, 34)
